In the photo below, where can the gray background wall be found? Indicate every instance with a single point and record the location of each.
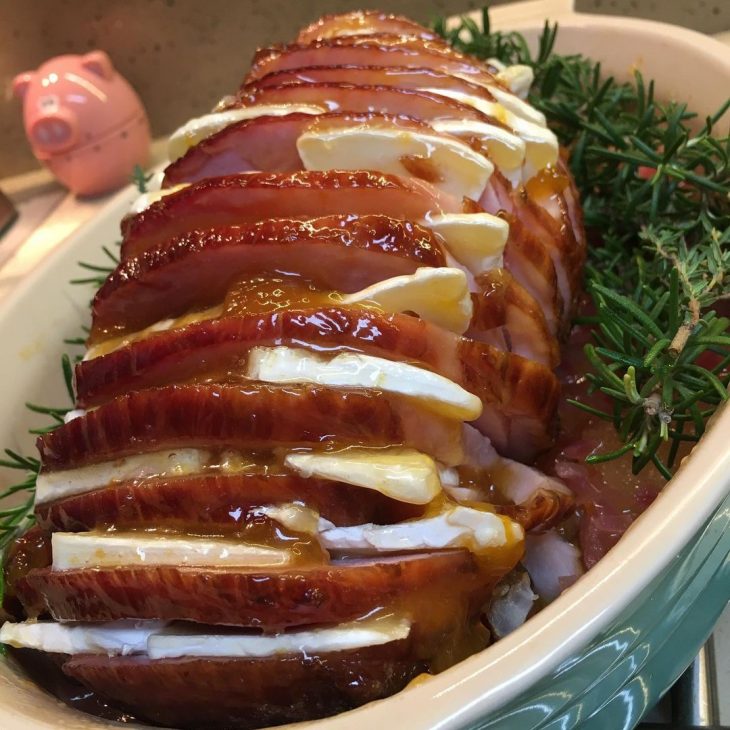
(183, 55)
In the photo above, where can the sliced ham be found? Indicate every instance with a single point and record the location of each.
(216, 503)
(346, 97)
(257, 196)
(221, 693)
(506, 316)
(361, 22)
(194, 270)
(248, 417)
(402, 77)
(544, 510)
(269, 143)
(519, 396)
(275, 599)
(538, 213)
(371, 50)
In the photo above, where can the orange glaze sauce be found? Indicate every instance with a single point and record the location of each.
(258, 295)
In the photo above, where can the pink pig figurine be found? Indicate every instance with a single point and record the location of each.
(84, 122)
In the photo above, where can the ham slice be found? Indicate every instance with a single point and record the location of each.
(257, 196)
(269, 143)
(220, 693)
(194, 270)
(360, 22)
(506, 316)
(346, 97)
(519, 396)
(539, 214)
(251, 416)
(276, 599)
(217, 503)
(371, 50)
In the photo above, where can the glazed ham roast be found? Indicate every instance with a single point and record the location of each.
(301, 459)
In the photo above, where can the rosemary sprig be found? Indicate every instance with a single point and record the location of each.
(16, 516)
(656, 194)
(139, 179)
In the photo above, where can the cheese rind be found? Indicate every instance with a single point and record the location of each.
(505, 148)
(476, 240)
(439, 295)
(117, 638)
(402, 474)
(455, 527)
(79, 550)
(353, 370)
(154, 639)
(58, 484)
(198, 129)
(448, 163)
(373, 632)
(541, 144)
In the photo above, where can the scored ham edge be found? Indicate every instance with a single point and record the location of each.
(370, 50)
(275, 598)
(248, 416)
(256, 196)
(222, 503)
(249, 693)
(196, 269)
(362, 21)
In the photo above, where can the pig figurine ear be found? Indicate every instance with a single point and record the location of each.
(97, 62)
(21, 83)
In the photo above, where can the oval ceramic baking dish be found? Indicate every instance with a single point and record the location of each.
(601, 654)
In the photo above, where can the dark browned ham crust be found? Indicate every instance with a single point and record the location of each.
(220, 504)
(257, 196)
(247, 693)
(248, 417)
(366, 50)
(273, 599)
(266, 143)
(195, 269)
(360, 21)
(519, 396)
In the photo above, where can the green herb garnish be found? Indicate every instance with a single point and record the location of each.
(656, 195)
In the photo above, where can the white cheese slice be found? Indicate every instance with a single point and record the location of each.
(198, 129)
(541, 145)
(296, 365)
(114, 638)
(505, 148)
(294, 516)
(455, 527)
(80, 550)
(476, 240)
(452, 166)
(439, 295)
(156, 641)
(517, 78)
(509, 101)
(403, 474)
(373, 632)
(57, 484)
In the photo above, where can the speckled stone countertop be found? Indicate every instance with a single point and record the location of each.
(183, 55)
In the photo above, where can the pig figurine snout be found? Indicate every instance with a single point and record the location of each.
(84, 121)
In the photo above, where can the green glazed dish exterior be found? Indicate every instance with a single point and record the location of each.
(622, 674)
